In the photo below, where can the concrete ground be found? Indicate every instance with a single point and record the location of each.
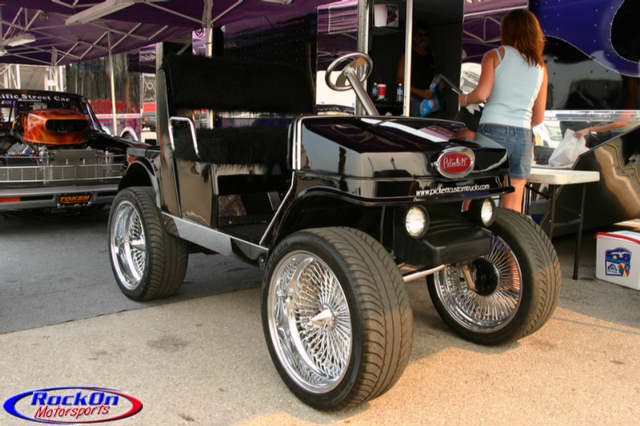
(200, 358)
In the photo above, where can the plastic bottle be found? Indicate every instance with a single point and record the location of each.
(399, 93)
(374, 91)
(434, 84)
(429, 106)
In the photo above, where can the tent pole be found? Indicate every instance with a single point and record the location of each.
(53, 73)
(408, 51)
(18, 82)
(61, 78)
(208, 28)
(113, 89)
(208, 44)
(363, 39)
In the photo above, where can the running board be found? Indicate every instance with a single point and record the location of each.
(213, 239)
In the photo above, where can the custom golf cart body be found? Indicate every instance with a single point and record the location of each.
(54, 154)
(340, 210)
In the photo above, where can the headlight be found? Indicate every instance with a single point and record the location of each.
(483, 211)
(416, 221)
(487, 212)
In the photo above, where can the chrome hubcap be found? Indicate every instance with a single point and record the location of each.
(484, 295)
(309, 321)
(324, 319)
(128, 245)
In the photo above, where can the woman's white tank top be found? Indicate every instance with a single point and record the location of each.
(515, 88)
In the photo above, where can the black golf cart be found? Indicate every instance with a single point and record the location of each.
(340, 211)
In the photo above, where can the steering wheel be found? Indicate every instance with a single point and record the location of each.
(359, 63)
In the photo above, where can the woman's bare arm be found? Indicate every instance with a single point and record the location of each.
(485, 84)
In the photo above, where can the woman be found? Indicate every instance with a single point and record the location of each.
(513, 82)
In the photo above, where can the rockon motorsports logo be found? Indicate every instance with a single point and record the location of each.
(72, 405)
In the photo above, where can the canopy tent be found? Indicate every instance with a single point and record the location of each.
(179, 12)
(59, 32)
(41, 37)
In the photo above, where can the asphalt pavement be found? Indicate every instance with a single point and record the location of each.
(55, 268)
(199, 358)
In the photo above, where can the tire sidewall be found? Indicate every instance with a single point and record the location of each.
(309, 242)
(509, 234)
(133, 197)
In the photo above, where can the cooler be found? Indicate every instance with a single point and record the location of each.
(618, 258)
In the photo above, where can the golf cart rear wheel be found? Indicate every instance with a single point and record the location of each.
(336, 317)
(507, 294)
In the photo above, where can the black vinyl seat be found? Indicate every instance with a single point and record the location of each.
(231, 84)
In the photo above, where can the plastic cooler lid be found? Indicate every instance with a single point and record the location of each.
(625, 235)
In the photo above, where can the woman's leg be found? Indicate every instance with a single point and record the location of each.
(513, 200)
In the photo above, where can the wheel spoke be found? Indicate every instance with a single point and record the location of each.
(311, 329)
(487, 306)
(128, 245)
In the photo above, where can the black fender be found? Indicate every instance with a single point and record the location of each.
(141, 172)
(314, 208)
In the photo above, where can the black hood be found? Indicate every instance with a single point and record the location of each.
(370, 147)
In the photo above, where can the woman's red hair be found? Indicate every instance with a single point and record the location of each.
(521, 29)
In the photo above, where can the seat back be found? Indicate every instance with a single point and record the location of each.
(233, 84)
(233, 145)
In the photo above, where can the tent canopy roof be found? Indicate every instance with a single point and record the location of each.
(58, 44)
(137, 23)
(131, 24)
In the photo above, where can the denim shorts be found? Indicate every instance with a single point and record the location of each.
(518, 141)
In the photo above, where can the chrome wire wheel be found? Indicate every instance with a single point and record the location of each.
(484, 295)
(309, 321)
(128, 245)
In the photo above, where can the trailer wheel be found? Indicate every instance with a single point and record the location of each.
(336, 317)
(147, 261)
(506, 295)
